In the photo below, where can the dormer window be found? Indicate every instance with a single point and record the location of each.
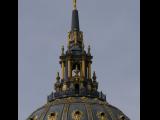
(52, 116)
(76, 115)
(101, 116)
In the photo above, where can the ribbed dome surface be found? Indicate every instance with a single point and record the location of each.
(78, 108)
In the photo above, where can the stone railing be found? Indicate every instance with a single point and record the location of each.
(64, 94)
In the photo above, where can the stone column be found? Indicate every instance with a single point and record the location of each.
(63, 68)
(83, 67)
(69, 69)
(89, 70)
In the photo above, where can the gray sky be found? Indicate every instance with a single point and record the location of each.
(111, 27)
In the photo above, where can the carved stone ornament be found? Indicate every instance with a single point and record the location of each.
(53, 116)
(77, 115)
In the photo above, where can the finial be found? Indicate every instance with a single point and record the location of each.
(82, 47)
(94, 76)
(57, 76)
(89, 49)
(62, 49)
(68, 38)
(74, 4)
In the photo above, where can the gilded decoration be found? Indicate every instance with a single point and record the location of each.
(102, 103)
(64, 88)
(84, 99)
(76, 95)
(53, 116)
(74, 4)
(77, 115)
(101, 116)
(69, 35)
(69, 99)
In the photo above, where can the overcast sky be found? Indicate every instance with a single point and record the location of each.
(111, 27)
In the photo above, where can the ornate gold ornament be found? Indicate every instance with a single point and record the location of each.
(101, 116)
(83, 67)
(102, 102)
(69, 99)
(81, 35)
(75, 38)
(84, 99)
(63, 68)
(69, 69)
(53, 116)
(77, 115)
(69, 35)
(64, 87)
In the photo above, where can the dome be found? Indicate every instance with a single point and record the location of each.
(76, 95)
(78, 108)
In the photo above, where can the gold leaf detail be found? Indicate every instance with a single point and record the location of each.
(53, 116)
(77, 115)
(101, 116)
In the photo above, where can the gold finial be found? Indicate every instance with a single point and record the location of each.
(94, 76)
(57, 76)
(82, 47)
(62, 49)
(89, 49)
(74, 4)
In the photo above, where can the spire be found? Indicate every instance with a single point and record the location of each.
(75, 64)
(75, 18)
(89, 50)
(57, 77)
(94, 76)
(62, 49)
